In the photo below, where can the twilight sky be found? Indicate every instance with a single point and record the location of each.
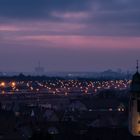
(69, 35)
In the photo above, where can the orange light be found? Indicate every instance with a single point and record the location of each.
(13, 84)
(3, 92)
(2, 84)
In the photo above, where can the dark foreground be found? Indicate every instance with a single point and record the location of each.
(91, 134)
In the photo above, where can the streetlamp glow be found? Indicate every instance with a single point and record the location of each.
(13, 84)
(2, 84)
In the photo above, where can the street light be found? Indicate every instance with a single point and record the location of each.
(2, 84)
(13, 84)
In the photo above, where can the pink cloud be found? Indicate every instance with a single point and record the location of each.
(64, 36)
(9, 28)
(71, 15)
(45, 26)
(84, 41)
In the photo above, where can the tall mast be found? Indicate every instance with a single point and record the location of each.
(137, 67)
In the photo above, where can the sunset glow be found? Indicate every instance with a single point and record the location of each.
(54, 27)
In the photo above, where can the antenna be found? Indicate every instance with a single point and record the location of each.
(137, 67)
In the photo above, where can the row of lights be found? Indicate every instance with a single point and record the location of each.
(3, 84)
(69, 85)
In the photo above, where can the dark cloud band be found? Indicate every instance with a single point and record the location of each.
(122, 15)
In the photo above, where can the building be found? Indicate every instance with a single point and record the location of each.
(134, 105)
